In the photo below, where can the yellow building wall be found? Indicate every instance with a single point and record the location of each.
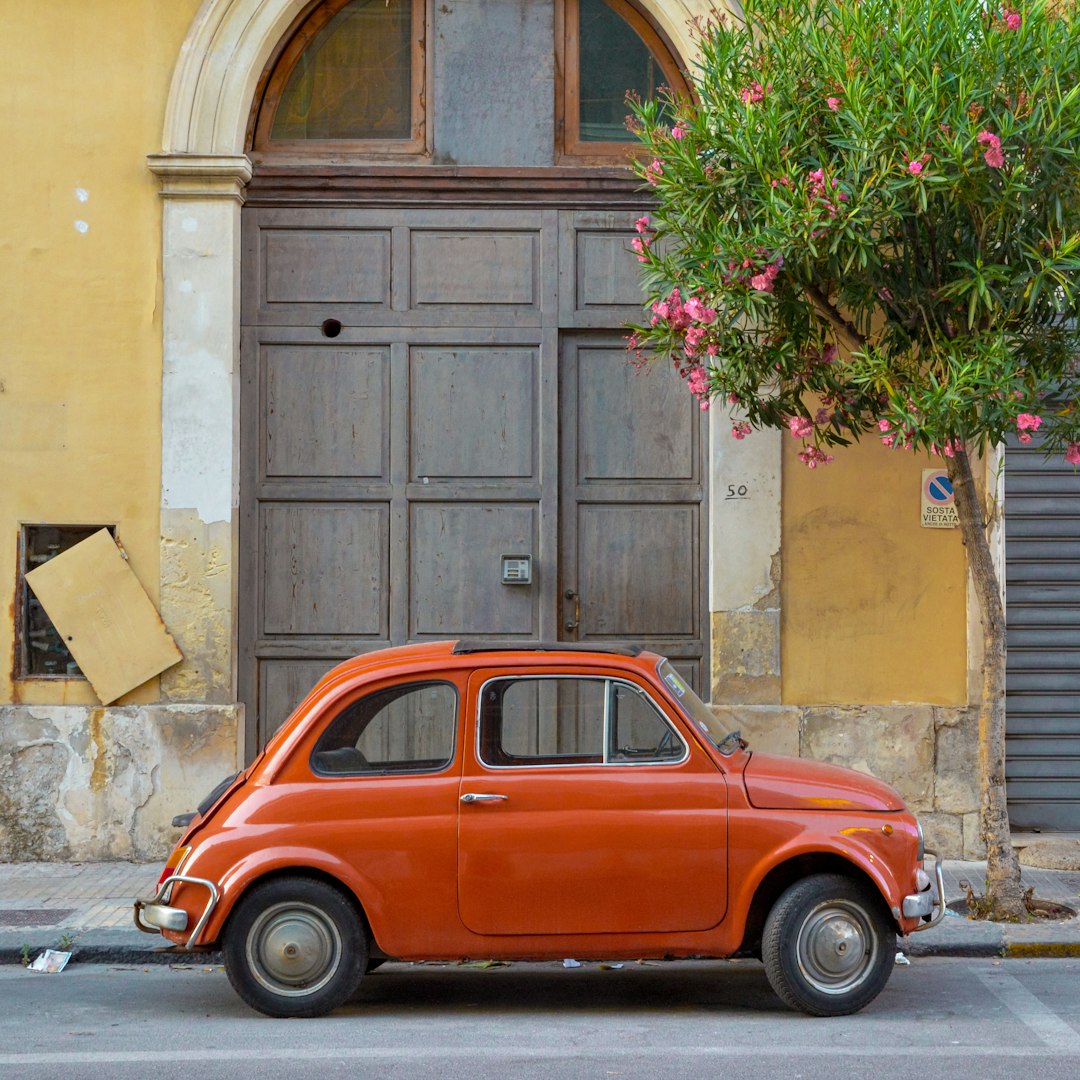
(83, 101)
(873, 606)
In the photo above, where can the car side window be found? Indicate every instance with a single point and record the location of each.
(572, 721)
(403, 729)
(637, 731)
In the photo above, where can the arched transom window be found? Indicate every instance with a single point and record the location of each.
(407, 78)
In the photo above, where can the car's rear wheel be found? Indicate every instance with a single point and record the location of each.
(828, 946)
(295, 947)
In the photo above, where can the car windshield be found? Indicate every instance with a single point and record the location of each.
(726, 739)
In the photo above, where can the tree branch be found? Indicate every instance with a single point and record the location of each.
(845, 331)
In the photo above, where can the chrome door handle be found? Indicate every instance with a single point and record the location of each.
(470, 797)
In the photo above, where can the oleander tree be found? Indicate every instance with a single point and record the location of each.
(867, 225)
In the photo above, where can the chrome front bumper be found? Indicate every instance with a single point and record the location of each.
(922, 904)
(154, 915)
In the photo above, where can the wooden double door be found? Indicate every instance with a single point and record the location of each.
(426, 392)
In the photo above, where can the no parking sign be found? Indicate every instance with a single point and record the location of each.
(938, 503)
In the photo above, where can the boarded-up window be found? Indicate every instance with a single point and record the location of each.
(105, 617)
(42, 652)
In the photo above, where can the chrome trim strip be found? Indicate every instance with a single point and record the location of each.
(166, 887)
(607, 762)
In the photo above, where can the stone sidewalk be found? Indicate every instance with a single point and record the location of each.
(85, 908)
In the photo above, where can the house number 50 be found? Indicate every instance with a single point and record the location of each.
(737, 491)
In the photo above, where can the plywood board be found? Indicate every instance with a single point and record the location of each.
(104, 616)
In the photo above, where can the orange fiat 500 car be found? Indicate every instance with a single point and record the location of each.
(456, 800)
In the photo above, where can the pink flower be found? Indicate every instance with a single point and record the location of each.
(752, 94)
(833, 103)
(993, 155)
(1025, 424)
(1072, 455)
(693, 339)
(949, 448)
(763, 281)
(1012, 19)
(654, 171)
(812, 457)
(699, 312)
(740, 430)
(697, 380)
(822, 417)
(914, 167)
(677, 132)
(642, 223)
(801, 428)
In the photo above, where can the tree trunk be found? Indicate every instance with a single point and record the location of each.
(1004, 894)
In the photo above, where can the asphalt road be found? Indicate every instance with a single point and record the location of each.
(954, 1019)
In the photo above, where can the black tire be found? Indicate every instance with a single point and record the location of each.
(295, 947)
(828, 946)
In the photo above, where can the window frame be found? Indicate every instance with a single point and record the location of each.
(406, 687)
(569, 147)
(279, 69)
(608, 762)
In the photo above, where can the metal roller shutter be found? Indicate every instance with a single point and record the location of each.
(1042, 556)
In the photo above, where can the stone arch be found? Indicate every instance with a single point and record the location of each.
(230, 42)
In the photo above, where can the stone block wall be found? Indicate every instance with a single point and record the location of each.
(929, 753)
(88, 783)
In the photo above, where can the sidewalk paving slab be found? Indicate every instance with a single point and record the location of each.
(86, 908)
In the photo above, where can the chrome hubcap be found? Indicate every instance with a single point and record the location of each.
(293, 949)
(836, 947)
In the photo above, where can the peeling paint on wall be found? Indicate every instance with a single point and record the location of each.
(95, 783)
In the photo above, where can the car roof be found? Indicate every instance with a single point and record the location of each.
(431, 656)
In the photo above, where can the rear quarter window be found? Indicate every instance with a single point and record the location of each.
(402, 729)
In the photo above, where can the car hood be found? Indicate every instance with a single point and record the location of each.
(786, 783)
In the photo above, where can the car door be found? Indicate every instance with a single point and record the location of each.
(584, 809)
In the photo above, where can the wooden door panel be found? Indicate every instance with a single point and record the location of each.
(325, 569)
(633, 423)
(474, 413)
(283, 684)
(455, 553)
(325, 412)
(313, 266)
(478, 267)
(599, 279)
(636, 568)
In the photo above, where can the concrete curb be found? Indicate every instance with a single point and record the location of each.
(115, 954)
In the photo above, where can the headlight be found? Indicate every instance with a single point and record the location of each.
(922, 842)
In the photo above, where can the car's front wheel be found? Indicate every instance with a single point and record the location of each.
(828, 946)
(295, 947)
